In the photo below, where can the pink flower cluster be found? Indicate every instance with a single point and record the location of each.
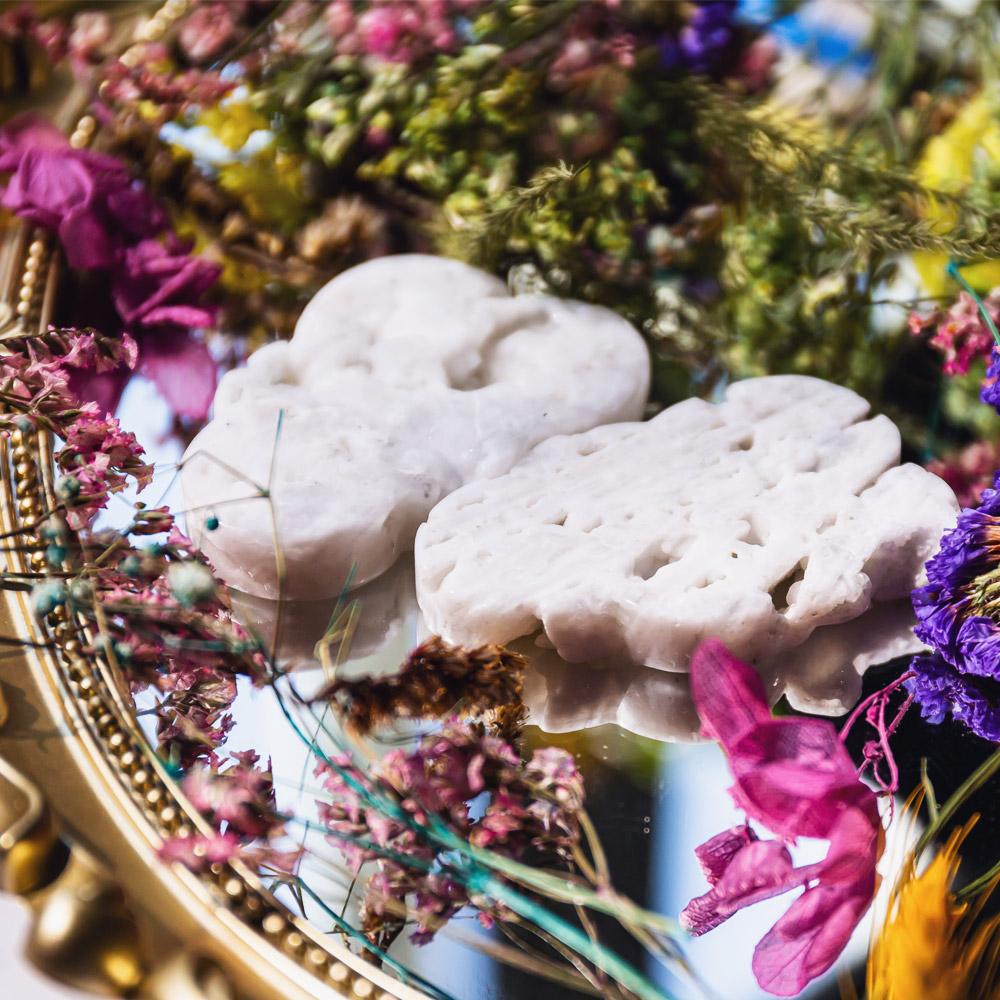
(98, 458)
(531, 808)
(19, 22)
(193, 720)
(238, 801)
(402, 31)
(959, 332)
(793, 776)
(169, 624)
(109, 224)
(153, 77)
(969, 471)
(211, 28)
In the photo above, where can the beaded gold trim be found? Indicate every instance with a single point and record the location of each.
(94, 695)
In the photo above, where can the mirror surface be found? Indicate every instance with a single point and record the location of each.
(651, 801)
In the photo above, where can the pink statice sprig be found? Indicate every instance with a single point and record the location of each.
(97, 457)
(530, 812)
(238, 801)
(158, 610)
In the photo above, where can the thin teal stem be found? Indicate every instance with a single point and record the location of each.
(954, 271)
(436, 832)
(605, 960)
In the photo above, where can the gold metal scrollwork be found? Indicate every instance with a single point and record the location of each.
(141, 929)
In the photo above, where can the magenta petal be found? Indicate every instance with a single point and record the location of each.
(728, 693)
(717, 852)
(809, 743)
(790, 774)
(27, 131)
(136, 212)
(105, 388)
(759, 871)
(855, 845)
(85, 240)
(189, 317)
(806, 941)
(50, 181)
(184, 371)
(789, 800)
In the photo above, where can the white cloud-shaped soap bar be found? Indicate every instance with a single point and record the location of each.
(406, 377)
(778, 521)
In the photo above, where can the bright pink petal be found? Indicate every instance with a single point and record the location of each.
(27, 131)
(791, 775)
(855, 845)
(183, 370)
(716, 853)
(47, 185)
(728, 693)
(806, 941)
(794, 776)
(105, 388)
(85, 240)
(811, 743)
(758, 871)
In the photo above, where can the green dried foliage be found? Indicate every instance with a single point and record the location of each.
(852, 195)
(795, 305)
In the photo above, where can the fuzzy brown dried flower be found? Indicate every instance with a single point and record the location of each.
(434, 679)
(347, 224)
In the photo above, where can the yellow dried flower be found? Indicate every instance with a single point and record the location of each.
(270, 185)
(949, 163)
(233, 122)
(930, 945)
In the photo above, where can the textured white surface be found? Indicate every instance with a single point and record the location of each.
(777, 521)
(406, 377)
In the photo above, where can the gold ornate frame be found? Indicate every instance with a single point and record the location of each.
(84, 801)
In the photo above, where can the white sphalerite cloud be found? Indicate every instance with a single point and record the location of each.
(778, 520)
(406, 377)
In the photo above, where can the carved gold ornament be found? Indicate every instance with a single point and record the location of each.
(84, 801)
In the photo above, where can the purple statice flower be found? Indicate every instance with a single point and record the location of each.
(961, 677)
(941, 692)
(702, 41)
(990, 392)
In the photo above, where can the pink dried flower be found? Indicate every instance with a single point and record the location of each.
(403, 31)
(90, 33)
(959, 332)
(97, 458)
(211, 28)
(152, 77)
(530, 807)
(793, 776)
(199, 852)
(969, 471)
(240, 797)
(87, 198)
(19, 21)
(193, 721)
(757, 63)
(108, 223)
(159, 284)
